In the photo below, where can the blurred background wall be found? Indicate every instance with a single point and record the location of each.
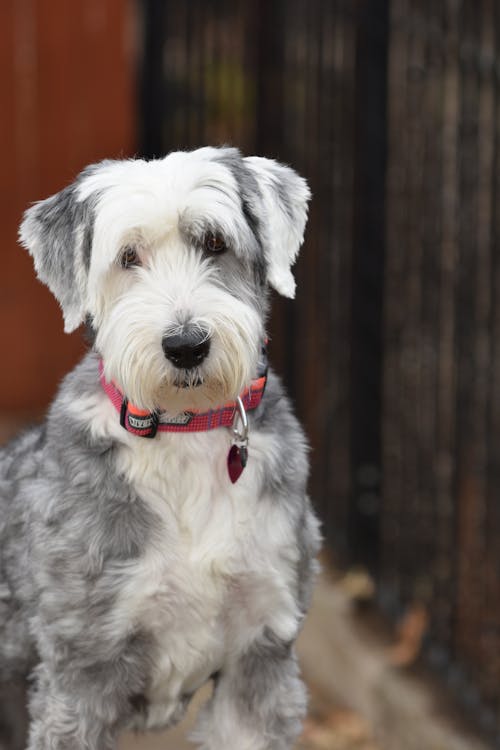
(391, 350)
(67, 98)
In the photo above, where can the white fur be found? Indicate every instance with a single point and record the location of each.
(141, 305)
(227, 558)
(146, 199)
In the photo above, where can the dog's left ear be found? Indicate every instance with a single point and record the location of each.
(57, 232)
(284, 198)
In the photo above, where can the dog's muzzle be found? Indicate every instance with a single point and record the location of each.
(186, 350)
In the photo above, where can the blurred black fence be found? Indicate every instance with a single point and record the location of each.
(391, 350)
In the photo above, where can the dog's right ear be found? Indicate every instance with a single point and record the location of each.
(58, 233)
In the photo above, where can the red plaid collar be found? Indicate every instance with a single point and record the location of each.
(147, 424)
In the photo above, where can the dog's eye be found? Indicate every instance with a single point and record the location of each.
(130, 257)
(214, 243)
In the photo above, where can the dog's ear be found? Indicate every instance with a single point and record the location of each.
(283, 214)
(58, 234)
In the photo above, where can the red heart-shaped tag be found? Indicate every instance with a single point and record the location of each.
(234, 464)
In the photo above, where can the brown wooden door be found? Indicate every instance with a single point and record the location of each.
(66, 99)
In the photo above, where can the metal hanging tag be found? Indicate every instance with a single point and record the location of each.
(238, 453)
(241, 435)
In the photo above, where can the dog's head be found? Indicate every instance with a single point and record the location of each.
(169, 260)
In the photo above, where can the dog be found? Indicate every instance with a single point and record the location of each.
(155, 530)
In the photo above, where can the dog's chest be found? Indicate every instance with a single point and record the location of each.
(204, 582)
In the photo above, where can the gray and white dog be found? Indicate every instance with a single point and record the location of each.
(134, 570)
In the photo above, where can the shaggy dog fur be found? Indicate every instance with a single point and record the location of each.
(132, 571)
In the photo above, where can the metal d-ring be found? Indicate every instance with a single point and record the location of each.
(242, 436)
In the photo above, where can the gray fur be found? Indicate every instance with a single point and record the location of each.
(247, 184)
(233, 266)
(62, 580)
(249, 194)
(69, 523)
(288, 476)
(63, 227)
(72, 529)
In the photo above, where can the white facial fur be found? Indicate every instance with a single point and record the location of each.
(142, 305)
(162, 209)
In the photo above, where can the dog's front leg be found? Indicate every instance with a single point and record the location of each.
(258, 703)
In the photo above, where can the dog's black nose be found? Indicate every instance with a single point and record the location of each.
(186, 350)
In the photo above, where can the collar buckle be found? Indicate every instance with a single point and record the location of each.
(144, 424)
